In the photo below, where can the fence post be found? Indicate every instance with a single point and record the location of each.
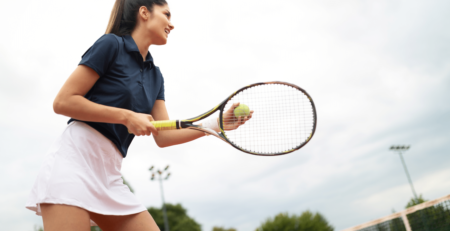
(405, 221)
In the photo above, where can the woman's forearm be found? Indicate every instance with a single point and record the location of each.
(174, 137)
(80, 108)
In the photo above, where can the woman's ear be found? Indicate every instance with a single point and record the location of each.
(144, 14)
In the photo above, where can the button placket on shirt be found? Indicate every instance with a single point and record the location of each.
(143, 67)
(142, 75)
(141, 62)
(141, 80)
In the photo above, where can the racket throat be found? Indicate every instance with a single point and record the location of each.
(184, 124)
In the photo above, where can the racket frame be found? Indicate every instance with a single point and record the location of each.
(188, 123)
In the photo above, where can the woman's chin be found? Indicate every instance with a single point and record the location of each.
(161, 41)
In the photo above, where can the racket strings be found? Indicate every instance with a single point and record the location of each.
(283, 119)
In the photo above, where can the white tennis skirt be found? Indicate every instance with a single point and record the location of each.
(82, 169)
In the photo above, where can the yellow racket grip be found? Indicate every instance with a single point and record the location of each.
(165, 125)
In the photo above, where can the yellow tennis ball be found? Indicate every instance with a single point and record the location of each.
(241, 110)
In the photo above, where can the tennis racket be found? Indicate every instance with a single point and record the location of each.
(284, 119)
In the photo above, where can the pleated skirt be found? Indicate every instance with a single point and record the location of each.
(82, 169)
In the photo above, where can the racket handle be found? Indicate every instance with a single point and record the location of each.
(165, 125)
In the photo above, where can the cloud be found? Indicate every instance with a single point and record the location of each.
(377, 71)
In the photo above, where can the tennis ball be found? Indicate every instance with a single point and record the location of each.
(241, 110)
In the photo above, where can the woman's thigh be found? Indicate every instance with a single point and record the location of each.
(64, 217)
(135, 222)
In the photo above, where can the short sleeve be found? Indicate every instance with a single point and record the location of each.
(100, 55)
(161, 91)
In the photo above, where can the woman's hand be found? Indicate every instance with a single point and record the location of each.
(139, 124)
(230, 122)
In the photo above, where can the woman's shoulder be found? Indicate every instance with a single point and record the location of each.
(107, 47)
(109, 40)
(158, 71)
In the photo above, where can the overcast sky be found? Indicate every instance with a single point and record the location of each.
(378, 71)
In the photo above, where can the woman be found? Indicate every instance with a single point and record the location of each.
(111, 96)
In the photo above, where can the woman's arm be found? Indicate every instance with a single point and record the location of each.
(173, 137)
(71, 102)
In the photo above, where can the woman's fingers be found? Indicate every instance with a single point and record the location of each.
(250, 115)
(141, 125)
(246, 118)
(147, 131)
(232, 122)
(239, 121)
(150, 118)
(152, 128)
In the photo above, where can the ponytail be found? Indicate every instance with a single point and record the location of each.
(123, 17)
(115, 18)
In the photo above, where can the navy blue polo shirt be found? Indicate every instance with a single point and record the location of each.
(126, 81)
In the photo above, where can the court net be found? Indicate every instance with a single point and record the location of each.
(429, 216)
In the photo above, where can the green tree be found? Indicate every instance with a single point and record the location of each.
(177, 217)
(222, 229)
(413, 201)
(307, 221)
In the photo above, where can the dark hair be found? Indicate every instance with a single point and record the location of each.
(124, 15)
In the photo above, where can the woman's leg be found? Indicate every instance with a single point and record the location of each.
(64, 217)
(135, 222)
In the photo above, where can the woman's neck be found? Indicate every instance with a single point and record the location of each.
(143, 42)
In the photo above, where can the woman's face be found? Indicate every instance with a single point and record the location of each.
(158, 24)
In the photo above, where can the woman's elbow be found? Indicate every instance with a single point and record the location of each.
(161, 142)
(57, 106)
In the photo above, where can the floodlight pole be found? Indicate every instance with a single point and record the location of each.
(166, 222)
(160, 178)
(401, 149)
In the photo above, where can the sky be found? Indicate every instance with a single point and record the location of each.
(378, 72)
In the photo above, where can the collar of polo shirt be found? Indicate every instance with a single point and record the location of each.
(131, 46)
